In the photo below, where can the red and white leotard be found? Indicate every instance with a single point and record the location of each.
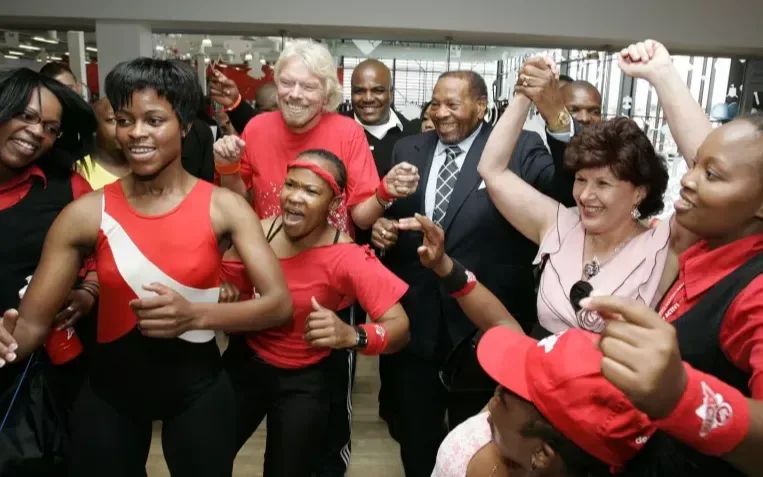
(177, 249)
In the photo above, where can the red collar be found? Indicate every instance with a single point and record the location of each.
(29, 172)
(702, 267)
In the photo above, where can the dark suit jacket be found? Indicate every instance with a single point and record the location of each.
(476, 235)
(197, 154)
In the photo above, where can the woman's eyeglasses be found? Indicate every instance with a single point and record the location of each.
(51, 128)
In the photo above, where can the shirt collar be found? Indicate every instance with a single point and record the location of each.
(702, 267)
(465, 145)
(380, 130)
(29, 172)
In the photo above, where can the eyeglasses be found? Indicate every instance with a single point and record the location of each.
(51, 128)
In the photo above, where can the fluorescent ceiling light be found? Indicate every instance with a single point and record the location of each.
(55, 58)
(16, 53)
(45, 40)
(159, 48)
(248, 57)
(92, 48)
(11, 57)
(30, 47)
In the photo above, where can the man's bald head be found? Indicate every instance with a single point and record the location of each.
(266, 98)
(371, 86)
(583, 101)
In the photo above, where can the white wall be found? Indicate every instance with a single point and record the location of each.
(689, 26)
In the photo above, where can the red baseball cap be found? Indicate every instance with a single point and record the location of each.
(561, 376)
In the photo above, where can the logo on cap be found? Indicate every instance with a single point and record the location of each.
(714, 411)
(549, 342)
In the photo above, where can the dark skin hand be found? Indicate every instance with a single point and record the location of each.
(480, 305)
(384, 233)
(73, 235)
(642, 359)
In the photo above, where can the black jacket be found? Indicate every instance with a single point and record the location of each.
(476, 234)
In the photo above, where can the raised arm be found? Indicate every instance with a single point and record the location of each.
(479, 304)
(688, 123)
(70, 239)
(528, 210)
(273, 307)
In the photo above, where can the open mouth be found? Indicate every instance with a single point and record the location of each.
(590, 211)
(139, 153)
(682, 204)
(27, 148)
(292, 217)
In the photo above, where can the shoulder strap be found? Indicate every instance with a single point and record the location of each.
(336, 236)
(272, 233)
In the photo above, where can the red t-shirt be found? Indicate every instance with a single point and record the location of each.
(741, 334)
(271, 145)
(17, 188)
(333, 274)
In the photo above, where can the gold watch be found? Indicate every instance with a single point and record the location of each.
(562, 122)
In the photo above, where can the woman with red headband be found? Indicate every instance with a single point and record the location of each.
(282, 373)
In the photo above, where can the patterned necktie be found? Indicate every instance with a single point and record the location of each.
(446, 182)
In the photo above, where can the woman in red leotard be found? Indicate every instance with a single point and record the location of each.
(282, 372)
(155, 235)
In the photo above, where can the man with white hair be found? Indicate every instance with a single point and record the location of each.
(308, 93)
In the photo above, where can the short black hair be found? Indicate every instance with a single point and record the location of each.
(78, 121)
(172, 80)
(424, 110)
(51, 70)
(477, 85)
(567, 78)
(329, 156)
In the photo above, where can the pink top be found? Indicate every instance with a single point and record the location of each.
(634, 272)
(461, 445)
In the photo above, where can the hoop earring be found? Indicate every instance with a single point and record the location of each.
(534, 463)
(635, 213)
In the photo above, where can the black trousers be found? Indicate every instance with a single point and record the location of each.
(134, 381)
(295, 401)
(334, 457)
(197, 441)
(421, 403)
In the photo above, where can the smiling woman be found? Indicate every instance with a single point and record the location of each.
(158, 306)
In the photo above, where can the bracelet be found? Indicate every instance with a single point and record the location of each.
(384, 205)
(383, 193)
(91, 287)
(711, 417)
(228, 169)
(377, 338)
(234, 105)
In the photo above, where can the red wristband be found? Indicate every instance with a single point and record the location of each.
(234, 105)
(711, 417)
(227, 169)
(384, 194)
(377, 339)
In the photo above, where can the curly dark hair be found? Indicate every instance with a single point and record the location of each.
(623, 147)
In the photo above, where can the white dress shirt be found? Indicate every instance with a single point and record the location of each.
(380, 130)
(437, 161)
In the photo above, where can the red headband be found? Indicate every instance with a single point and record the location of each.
(316, 169)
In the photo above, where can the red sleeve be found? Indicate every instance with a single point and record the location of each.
(362, 177)
(741, 334)
(364, 277)
(247, 159)
(80, 186)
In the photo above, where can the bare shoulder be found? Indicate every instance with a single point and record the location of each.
(224, 198)
(81, 219)
(87, 208)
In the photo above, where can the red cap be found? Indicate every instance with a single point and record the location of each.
(561, 376)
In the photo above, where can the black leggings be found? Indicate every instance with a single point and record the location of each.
(295, 401)
(135, 381)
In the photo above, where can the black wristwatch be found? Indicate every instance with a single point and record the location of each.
(362, 341)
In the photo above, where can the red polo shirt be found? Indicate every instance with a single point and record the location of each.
(18, 187)
(271, 145)
(741, 338)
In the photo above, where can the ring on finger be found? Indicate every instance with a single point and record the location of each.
(384, 234)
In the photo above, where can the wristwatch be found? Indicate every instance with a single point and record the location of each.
(362, 340)
(562, 122)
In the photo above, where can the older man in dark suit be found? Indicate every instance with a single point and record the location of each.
(453, 196)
